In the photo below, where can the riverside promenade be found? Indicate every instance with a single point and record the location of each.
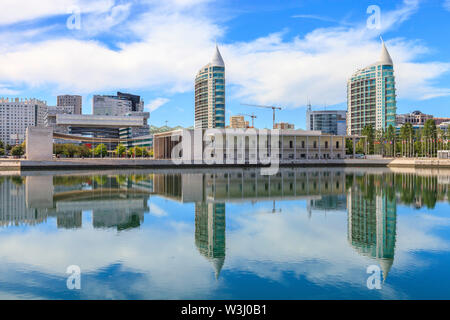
(115, 163)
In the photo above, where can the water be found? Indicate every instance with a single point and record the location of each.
(225, 234)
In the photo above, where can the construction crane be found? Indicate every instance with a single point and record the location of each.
(267, 107)
(251, 116)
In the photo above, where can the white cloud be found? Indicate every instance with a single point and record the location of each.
(12, 11)
(100, 22)
(447, 5)
(6, 90)
(266, 245)
(157, 210)
(175, 39)
(155, 104)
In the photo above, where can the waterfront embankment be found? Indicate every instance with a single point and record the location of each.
(109, 163)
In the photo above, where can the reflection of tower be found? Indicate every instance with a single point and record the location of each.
(210, 233)
(372, 226)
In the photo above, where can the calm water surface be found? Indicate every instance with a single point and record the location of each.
(226, 234)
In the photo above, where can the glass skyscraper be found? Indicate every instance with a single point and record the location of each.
(210, 94)
(371, 96)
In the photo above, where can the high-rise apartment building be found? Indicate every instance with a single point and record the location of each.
(210, 94)
(327, 121)
(70, 100)
(17, 115)
(371, 96)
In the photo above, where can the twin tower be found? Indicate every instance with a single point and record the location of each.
(371, 95)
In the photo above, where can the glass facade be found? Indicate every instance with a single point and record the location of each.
(372, 96)
(210, 95)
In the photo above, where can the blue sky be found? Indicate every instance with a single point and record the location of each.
(276, 52)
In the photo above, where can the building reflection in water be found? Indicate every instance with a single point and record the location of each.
(210, 233)
(120, 201)
(31, 200)
(372, 219)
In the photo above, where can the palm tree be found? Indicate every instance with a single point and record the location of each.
(369, 133)
(430, 136)
(407, 135)
(390, 137)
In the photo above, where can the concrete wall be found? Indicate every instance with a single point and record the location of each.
(39, 144)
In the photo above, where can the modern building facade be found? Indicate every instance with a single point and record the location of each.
(110, 106)
(17, 115)
(71, 101)
(210, 94)
(238, 122)
(371, 96)
(123, 104)
(107, 127)
(249, 147)
(415, 118)
(327, 121)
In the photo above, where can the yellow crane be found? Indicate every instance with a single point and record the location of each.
(274, 108)
(251, 116)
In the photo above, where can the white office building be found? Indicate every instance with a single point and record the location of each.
(17, 115)
(71, 101)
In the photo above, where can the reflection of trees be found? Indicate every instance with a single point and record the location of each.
(409, 189)
(17, 180)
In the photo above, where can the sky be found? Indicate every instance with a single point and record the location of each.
(276, 52)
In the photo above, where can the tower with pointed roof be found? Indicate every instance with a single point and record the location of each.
(210, 233)
(210, 94)
(371, 96)
(372, 225)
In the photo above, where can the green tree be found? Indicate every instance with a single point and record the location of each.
(369, 133)
(407, 140)
(83, 151)
(349, 146)
(135, 152)
(69, 150)
(391, 139)
(2, 152)
(121, 150)
(429, 137)
(18, 151)
(100, 150)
